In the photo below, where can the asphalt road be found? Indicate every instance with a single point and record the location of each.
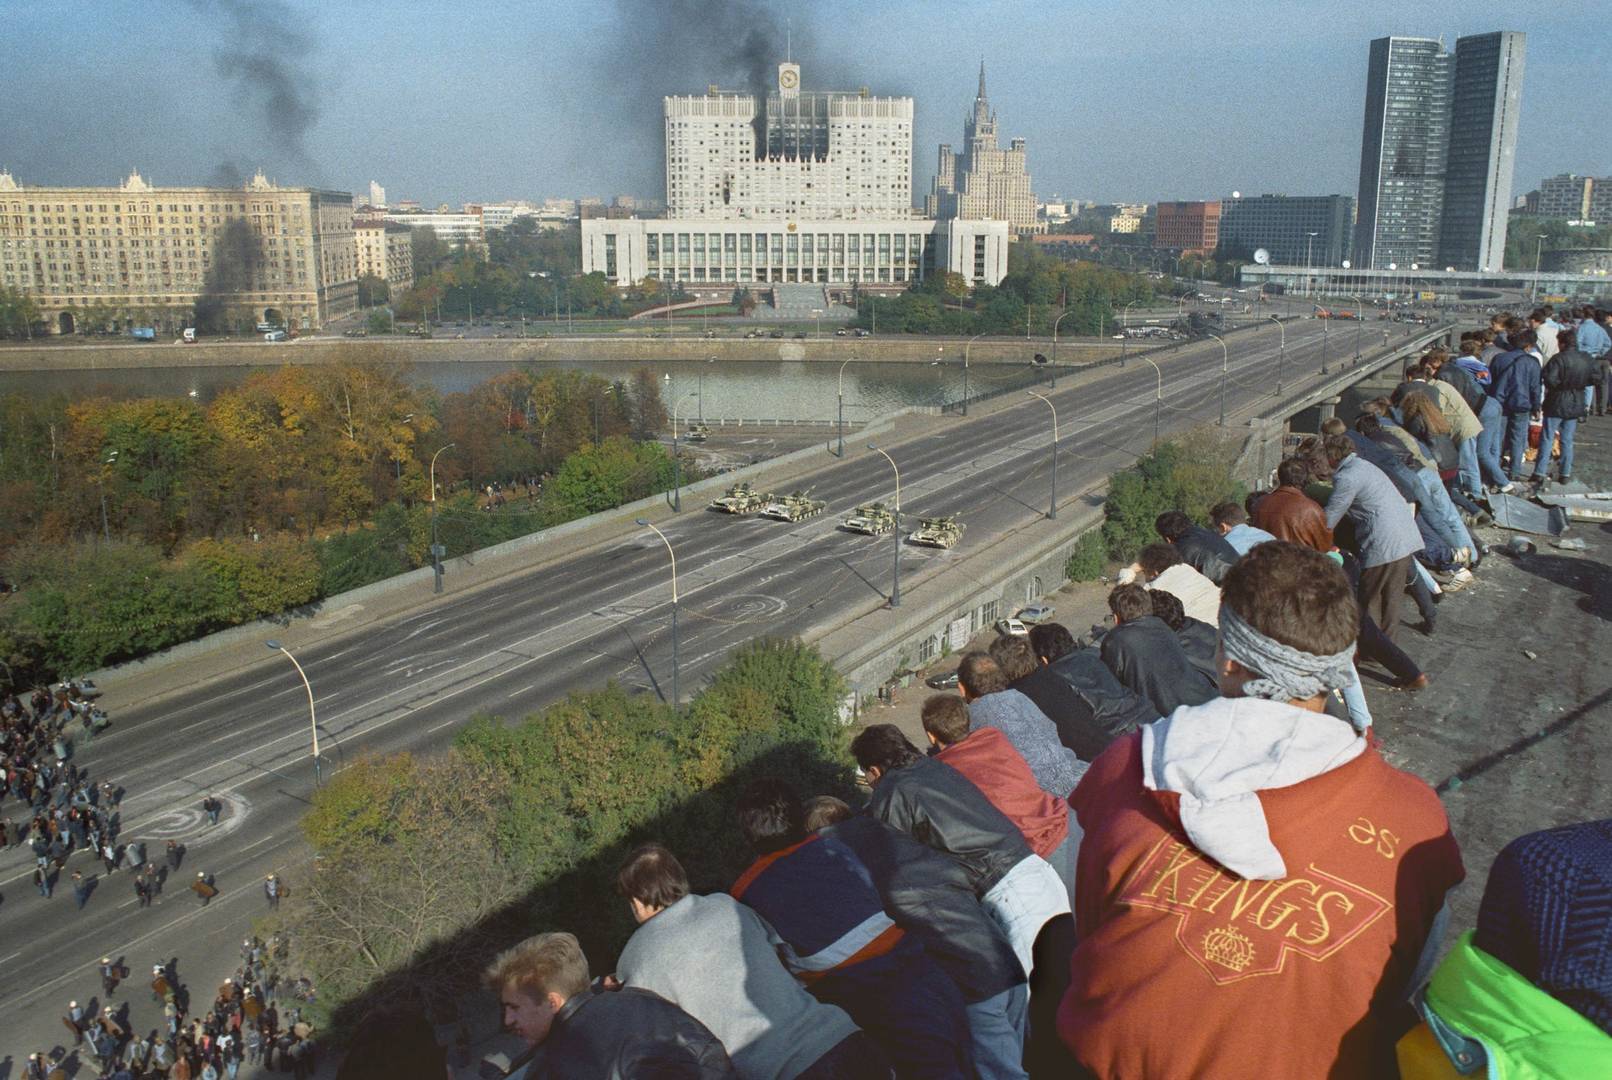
(601, 615)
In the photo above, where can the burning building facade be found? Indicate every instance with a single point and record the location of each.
(790, 186)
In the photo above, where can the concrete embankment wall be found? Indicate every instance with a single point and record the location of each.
(627, 350)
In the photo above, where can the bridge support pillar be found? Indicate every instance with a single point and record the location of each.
(1328, 407)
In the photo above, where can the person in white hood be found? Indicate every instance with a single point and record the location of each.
(1256, 884)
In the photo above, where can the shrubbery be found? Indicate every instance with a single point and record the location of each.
(1088, 559)
(1191, 475)
(425, 867)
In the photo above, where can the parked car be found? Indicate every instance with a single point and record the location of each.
(945, 680)
(1036, 613)
(1012, 628)
(862, 333)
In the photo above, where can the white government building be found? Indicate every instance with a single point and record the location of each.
(816, 191)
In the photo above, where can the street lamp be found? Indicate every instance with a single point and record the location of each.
(842, 405)
(966, 346)
(1055, 323)
(1360, 317)
(1158, 397)
(398, 461)
(1052, 503)
(677, 464)
(436, 548)
(1281, 357)
(106, 528)
(673, 555)
(1309, 282)
(1125, 326)
(895, 533)
(817, 318)
(1225, 363)
(313, 719)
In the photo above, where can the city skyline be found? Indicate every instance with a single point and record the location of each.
(509, 101)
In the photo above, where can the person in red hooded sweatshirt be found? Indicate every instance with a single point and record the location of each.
(1258, 890)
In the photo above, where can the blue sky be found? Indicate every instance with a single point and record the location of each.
(477, 100)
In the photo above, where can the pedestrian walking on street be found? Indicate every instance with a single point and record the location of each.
(43, 880)
(272, 890)
(109, 976)
(212, 807)
(81, 889)
(203, 887)
(142, 891)
(109, 855)
(175, 854)
(75, 1021)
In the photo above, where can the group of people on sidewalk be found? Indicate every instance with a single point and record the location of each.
(1179, 853)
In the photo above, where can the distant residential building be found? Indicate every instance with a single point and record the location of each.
(809, 154)
(408, 205)
(1296, 230)
(1485, 107)
(1573, 197)
(494, 217)
(145, 255)
(984, 181)
(377, 195)
(387, 252)
(1437, 150)
(1189, 227)
(454, 229)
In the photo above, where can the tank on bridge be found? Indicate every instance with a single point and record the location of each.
(870, 519)
(941, 532)
(796, 506)
(741, 499)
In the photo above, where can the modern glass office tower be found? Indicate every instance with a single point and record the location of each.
(1402, 153)
(1484, 108)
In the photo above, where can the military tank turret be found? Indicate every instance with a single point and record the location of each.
(796, 506)
(872, 519)
(941, 532)
(741, 499)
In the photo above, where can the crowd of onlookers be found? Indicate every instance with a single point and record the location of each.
(1176, 851)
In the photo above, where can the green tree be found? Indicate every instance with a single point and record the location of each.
(18, 313)
(372, 291)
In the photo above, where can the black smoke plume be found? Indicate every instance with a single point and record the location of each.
(658, 48)
(237, 264)
(260, 55)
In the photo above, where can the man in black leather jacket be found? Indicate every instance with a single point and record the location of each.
(1111, 708)
(1204, 550)
(582, 1033)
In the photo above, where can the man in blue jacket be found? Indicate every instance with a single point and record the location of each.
(1516, 383)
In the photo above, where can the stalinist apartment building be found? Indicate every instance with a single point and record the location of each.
(985, 180)
(790, 187)
(136, 254)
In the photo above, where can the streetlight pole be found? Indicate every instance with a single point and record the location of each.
(895, 533)
(842, 405)
(673, 555)
(436, 548)
(106, 527)
(1124, 342)
(1539, 243)
(1055, 323)
(313, 718)
(1225, 364)
(1360, 317)
(966, 347)
(1281, 357)
(1052, 503)
(677, 463)
(1309, 282)
(1158, 397)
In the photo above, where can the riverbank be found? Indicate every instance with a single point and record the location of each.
(404, 350)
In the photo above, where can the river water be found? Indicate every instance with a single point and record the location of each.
(725, 389)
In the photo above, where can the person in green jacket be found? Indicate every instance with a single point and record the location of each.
(1529, 993)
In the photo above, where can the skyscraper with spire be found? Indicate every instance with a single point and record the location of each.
(984, 181)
